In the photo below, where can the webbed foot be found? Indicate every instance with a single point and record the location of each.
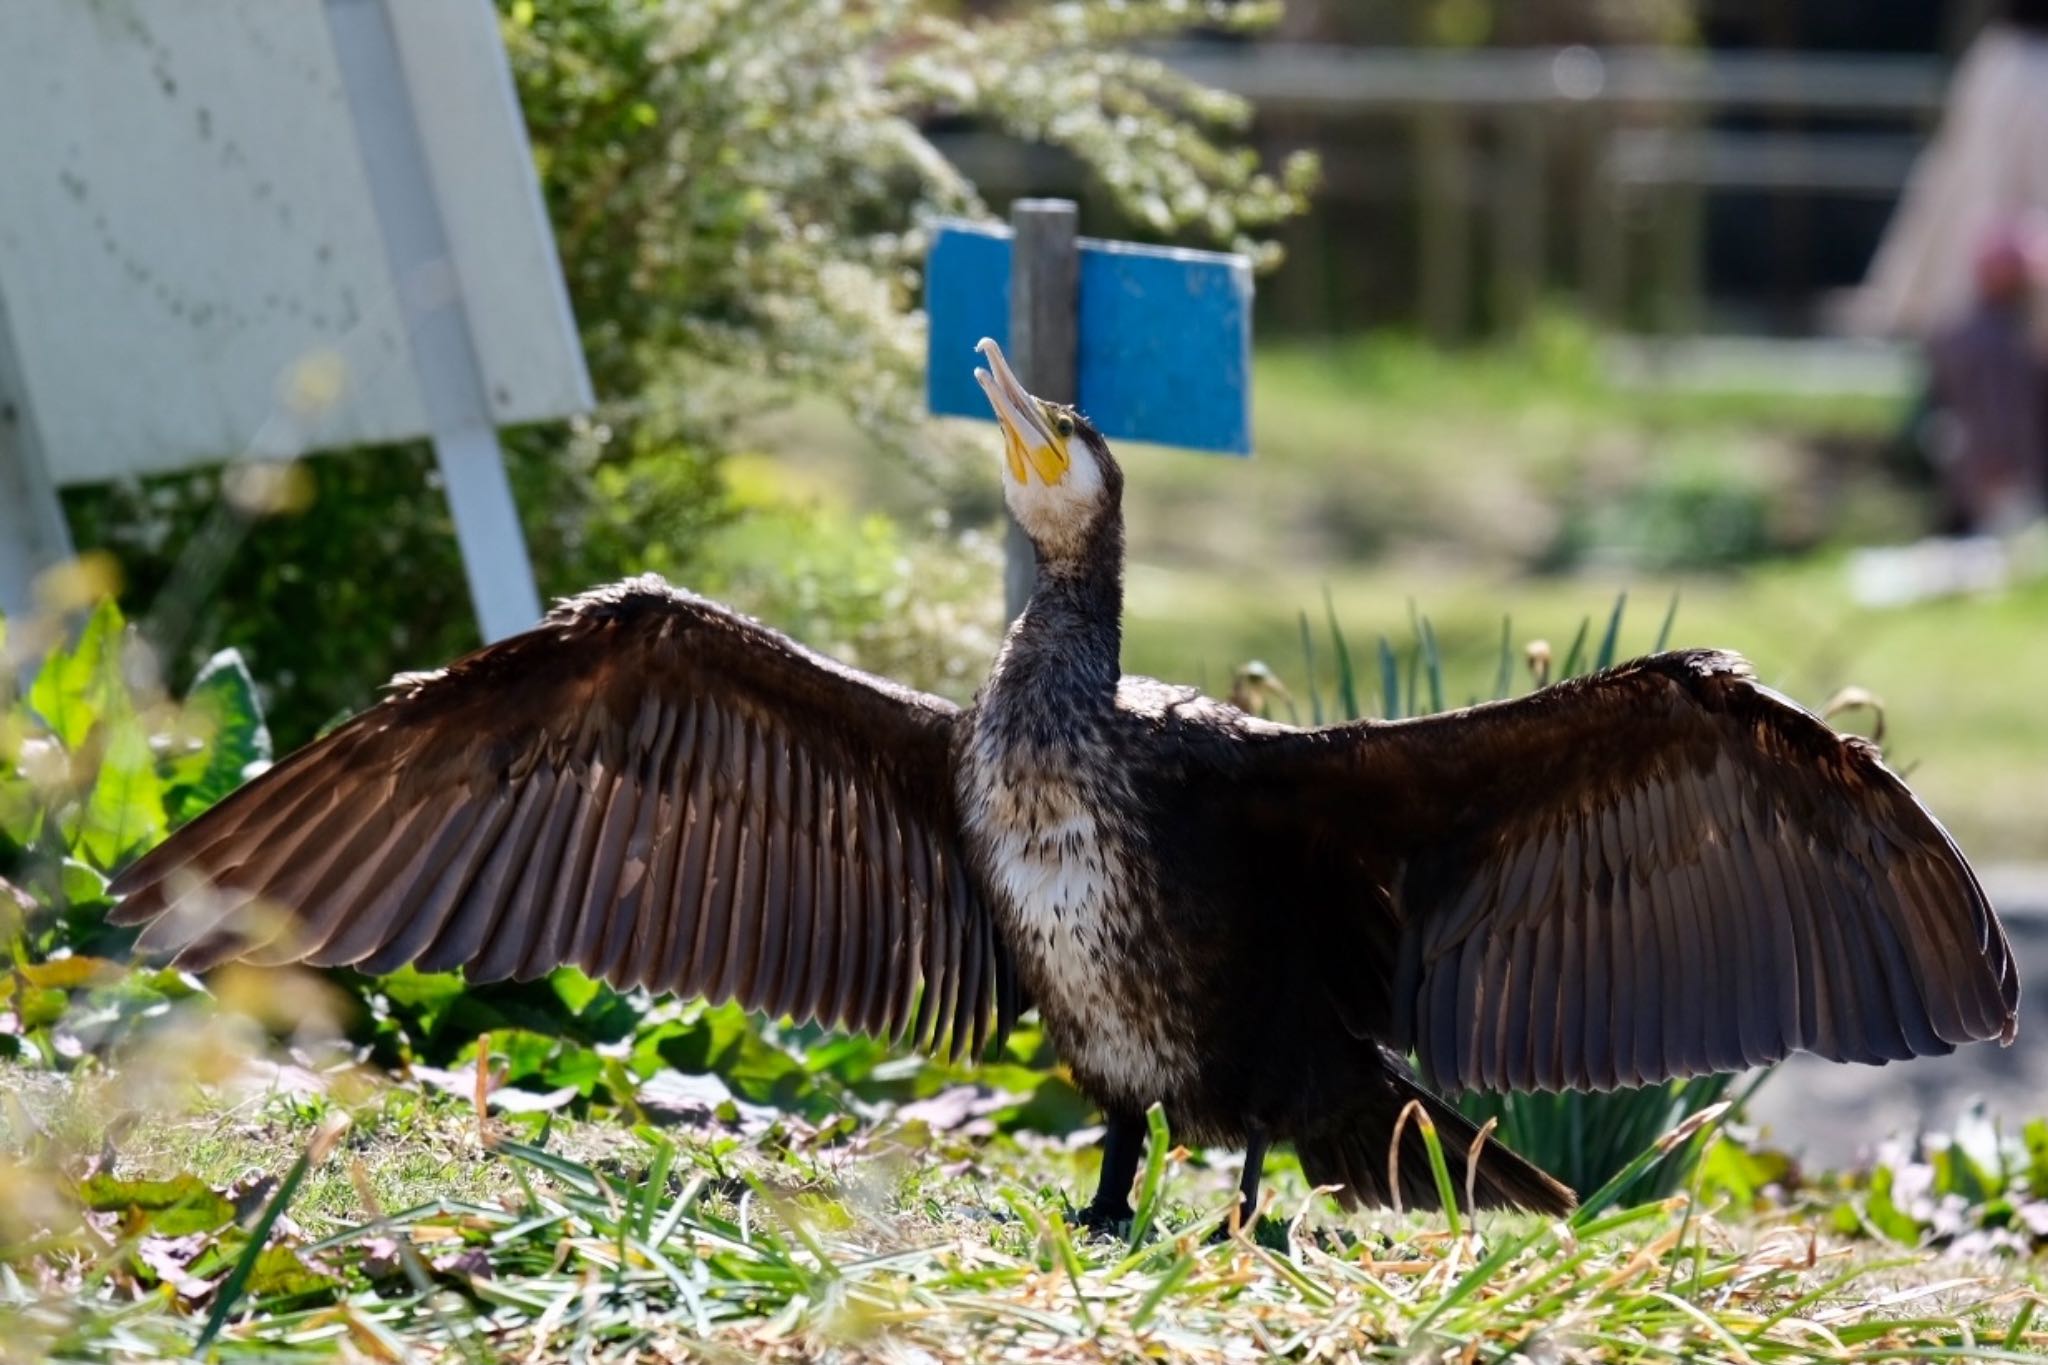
(1106, 1220)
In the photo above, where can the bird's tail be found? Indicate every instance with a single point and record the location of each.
(1355, 1155)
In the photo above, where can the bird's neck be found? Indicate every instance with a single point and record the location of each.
(1068, 644)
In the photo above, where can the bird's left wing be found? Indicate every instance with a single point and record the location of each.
(645, 785)
(1660, 870)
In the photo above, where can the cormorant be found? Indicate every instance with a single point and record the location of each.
(1659, 870)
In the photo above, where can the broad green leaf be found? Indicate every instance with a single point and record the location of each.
(221, 739)
(125, 811)
(69, 973)
(575, 989)
(422, 990)
(279, 1272)
(22, 805)
(82, 883)
(75, 685)
(2035, 1137)
(172, 1207)
(40, 1006)
(1884, 1215)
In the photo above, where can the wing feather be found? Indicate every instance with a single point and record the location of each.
(1660, 870)
(647, 786)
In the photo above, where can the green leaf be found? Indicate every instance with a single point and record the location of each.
(40, 1006)
(575, 989)
(280, 1273)
(82, 883)
(69, 973)
(1884, 1215)
(173, 1207)
(426, 992)
(221, 734)
(2035, 1138)
(125, 811)
(75, 686)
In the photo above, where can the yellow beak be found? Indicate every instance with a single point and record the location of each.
(1030, 444)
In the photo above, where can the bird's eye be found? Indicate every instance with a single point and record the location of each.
(1064, 426)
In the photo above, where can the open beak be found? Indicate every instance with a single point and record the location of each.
(1029, 442)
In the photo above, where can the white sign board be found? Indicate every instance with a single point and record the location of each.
(203, 197)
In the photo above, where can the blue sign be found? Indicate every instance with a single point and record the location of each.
(1164, 336)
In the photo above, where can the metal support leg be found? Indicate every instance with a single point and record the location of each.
(423, 268)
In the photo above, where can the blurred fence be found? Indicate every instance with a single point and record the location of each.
(1527, 171)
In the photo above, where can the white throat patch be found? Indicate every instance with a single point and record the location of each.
(1058, 515)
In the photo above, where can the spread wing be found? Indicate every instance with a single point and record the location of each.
(647, 786)
(1661, 870)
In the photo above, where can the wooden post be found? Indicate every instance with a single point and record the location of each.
(1044, 308)
(1443, 218)
(1680, 232)
(1603, 222)
(1521, 217)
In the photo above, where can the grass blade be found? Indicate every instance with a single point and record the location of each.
(1433, 666)
(1664, 631)
(1505, 677)
(1578, 649)
(1347, 682)
(231, 1289)
(1440, 1171)
(1168, 1282)
(1308, 672)
(1612, 1191)
(1156, 1146)
(1612, 638)
(1390, 682)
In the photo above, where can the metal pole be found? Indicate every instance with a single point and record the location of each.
(33, 534)
(444, 353)
(1045, 272)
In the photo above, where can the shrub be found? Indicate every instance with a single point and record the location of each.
(737, 189)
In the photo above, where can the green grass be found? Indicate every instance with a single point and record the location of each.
(584, 1242)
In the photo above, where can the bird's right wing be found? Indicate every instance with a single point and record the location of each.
(1660, 870)
(646, 785)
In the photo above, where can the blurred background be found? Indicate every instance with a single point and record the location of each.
(1721, 306)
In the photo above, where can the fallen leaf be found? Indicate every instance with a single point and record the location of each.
(173, 1207)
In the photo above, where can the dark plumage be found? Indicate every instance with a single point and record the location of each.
(1660, 870)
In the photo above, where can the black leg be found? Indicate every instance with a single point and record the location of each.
(1122, 1144)
(1248, 1188)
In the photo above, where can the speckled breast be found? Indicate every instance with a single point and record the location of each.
(1070, 893)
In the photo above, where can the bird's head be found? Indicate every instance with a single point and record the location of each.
(1059, 478)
